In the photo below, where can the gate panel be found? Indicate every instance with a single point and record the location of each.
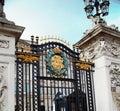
(27, 65)
(65, 90)
(55, 92)
(44, 85)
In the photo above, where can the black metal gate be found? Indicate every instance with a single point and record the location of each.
(42, 87)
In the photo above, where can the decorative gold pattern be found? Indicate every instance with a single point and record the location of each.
(83, 58)
(54, 38)
(58, 75)
(83, 65)
(57, 50)
(57, 62)
(28, 58)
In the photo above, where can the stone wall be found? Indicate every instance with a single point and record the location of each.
(7, 63)
(102, 44)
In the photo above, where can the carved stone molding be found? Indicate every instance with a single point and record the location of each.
(113, 26)
(2, 69)
(115, 75)
(23, 45)
(3, 92)
(103, 47)
(115, 83)
(4, 44)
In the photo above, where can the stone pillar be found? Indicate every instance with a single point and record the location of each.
(102, 44)
(9, 35)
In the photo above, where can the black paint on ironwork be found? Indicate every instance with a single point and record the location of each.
(36, 90)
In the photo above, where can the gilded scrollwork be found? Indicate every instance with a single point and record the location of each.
(28, 58)
(57, 63)
(83, 65)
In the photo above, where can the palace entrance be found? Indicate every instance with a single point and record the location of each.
(50, 77)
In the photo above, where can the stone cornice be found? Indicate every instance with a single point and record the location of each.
(102, 40)
(95, 32)
(10, 29)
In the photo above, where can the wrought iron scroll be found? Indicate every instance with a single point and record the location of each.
(37, 90)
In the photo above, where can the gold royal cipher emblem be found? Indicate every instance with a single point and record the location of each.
(57, 62)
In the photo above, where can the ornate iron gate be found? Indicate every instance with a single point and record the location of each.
(50, 77)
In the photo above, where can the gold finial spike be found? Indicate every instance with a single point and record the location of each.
(59, 38)
(65, 41)
(55, 38)
(62, 40)
(48, 37)
(45, 36)
(52, 37)
(45, 39)
(69, 44)
(41, 38)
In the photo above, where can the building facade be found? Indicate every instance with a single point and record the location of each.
(102, 44)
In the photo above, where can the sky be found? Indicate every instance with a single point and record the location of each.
(59, 18)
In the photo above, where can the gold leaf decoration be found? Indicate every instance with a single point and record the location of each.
(28, 58)
(57, 50)
(57, 62)
(83, 65)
